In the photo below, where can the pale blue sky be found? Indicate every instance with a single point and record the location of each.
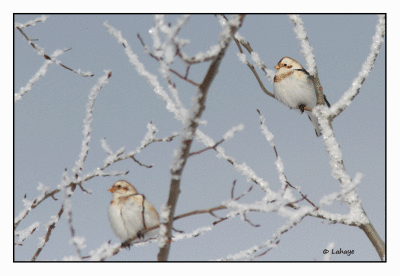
(48, 124)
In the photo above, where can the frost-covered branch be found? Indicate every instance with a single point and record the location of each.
(33, 22)
(48, 59)
(77, 169)
(185, 77)
(240, 40)
(106, 250)
(152, 79)
(147, 140)
(257, 60)
(41, 51)
(167, 46)
(292, 210)
(67, 184)
(325, 116)
(78, 242)
(32, 204)
(176, 44)
(280, 168)
(24, 234)
(357, 213)
(294, 218)
(180, 112)
(50, 225)
(111, 159)
(29, 205)
(336, 159)
(188, 133)
(306, 49)
(366, 68)
(226, 136)
(308, 55)
(40, 73)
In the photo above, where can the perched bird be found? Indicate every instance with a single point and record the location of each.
(130, 213)
(294, 88)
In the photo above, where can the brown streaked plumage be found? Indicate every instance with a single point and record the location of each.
(294, 87)
(130, 212)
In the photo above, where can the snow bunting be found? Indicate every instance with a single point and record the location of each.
(130, 213)
(294, 88)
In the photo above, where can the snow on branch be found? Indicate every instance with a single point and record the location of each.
(52, 58)
(25, 233)
(106, 250)
(366, 68)
(103, 252)
(33, 22)
(283, 202)
(77, 169)
(147, 140)
(242, 168)
(180, 114)
(295, 213)
(29, 205)
(191, 123)
(111, 159)
(152, 79)
(336, 162)
(177, 43)
(40, 73)
(332, 146)
(240, 40)
(228, 135)
(329, 199)
(173, 44)
(284, 193)
(195, 233)
(306, 48)
(166, 67)
(268, 135)
(294, 218)
(162, 233)
(78, 242)
(67, 185)
(279, 163)
(50, 225)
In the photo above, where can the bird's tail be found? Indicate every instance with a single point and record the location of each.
(314, 121)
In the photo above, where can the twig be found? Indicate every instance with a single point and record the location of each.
(141, 164)
(251, 67)
(187, 139)
(196, 212)
(48, 233)
(171, 70)
(366, 68)
(249, 222)
(41, 51)
(293, 204)
(208, 148)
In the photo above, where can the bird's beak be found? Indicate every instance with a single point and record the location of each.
(112, 189)
(277, 67)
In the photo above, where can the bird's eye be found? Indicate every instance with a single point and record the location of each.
(119, 186)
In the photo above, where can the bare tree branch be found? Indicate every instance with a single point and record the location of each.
(187, 138)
